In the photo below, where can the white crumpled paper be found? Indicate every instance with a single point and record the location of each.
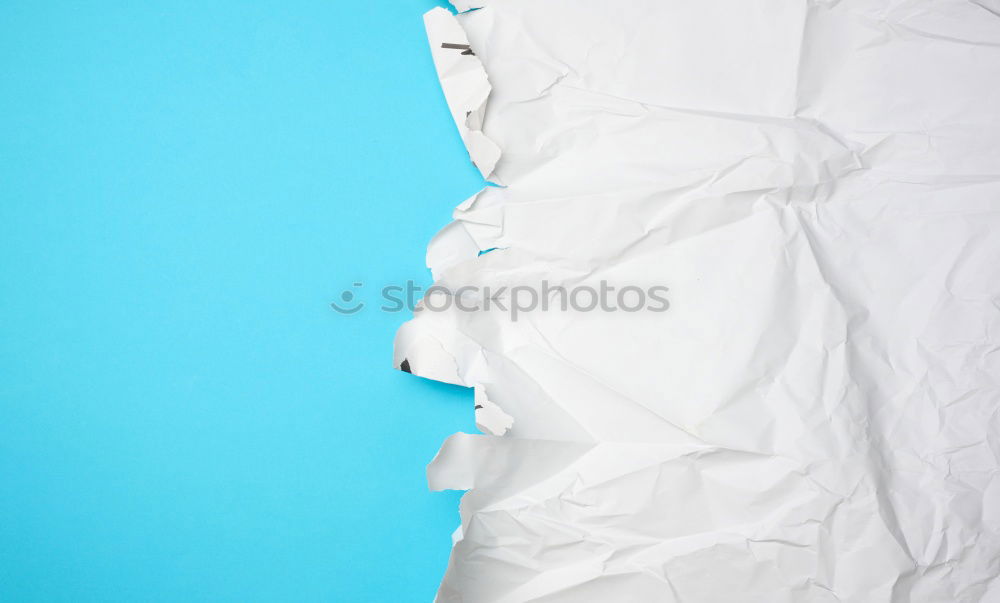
(815, 418)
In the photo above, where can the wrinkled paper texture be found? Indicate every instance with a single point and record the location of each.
(815, 418)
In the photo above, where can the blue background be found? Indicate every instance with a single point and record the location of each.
(184, 188)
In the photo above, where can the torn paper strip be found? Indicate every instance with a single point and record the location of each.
(465, 84)
(813, 411)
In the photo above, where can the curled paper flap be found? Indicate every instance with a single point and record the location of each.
(465, 85)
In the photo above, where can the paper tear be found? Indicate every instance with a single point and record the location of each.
(490, 418)
(465, 84)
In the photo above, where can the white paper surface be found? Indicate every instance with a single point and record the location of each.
(815, 418)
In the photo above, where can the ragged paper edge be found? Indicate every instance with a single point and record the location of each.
(435, 348)
(465, 84)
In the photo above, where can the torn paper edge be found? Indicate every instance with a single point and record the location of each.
(435, 348)
(465, 84)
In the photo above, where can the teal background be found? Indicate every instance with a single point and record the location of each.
(184, 188)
